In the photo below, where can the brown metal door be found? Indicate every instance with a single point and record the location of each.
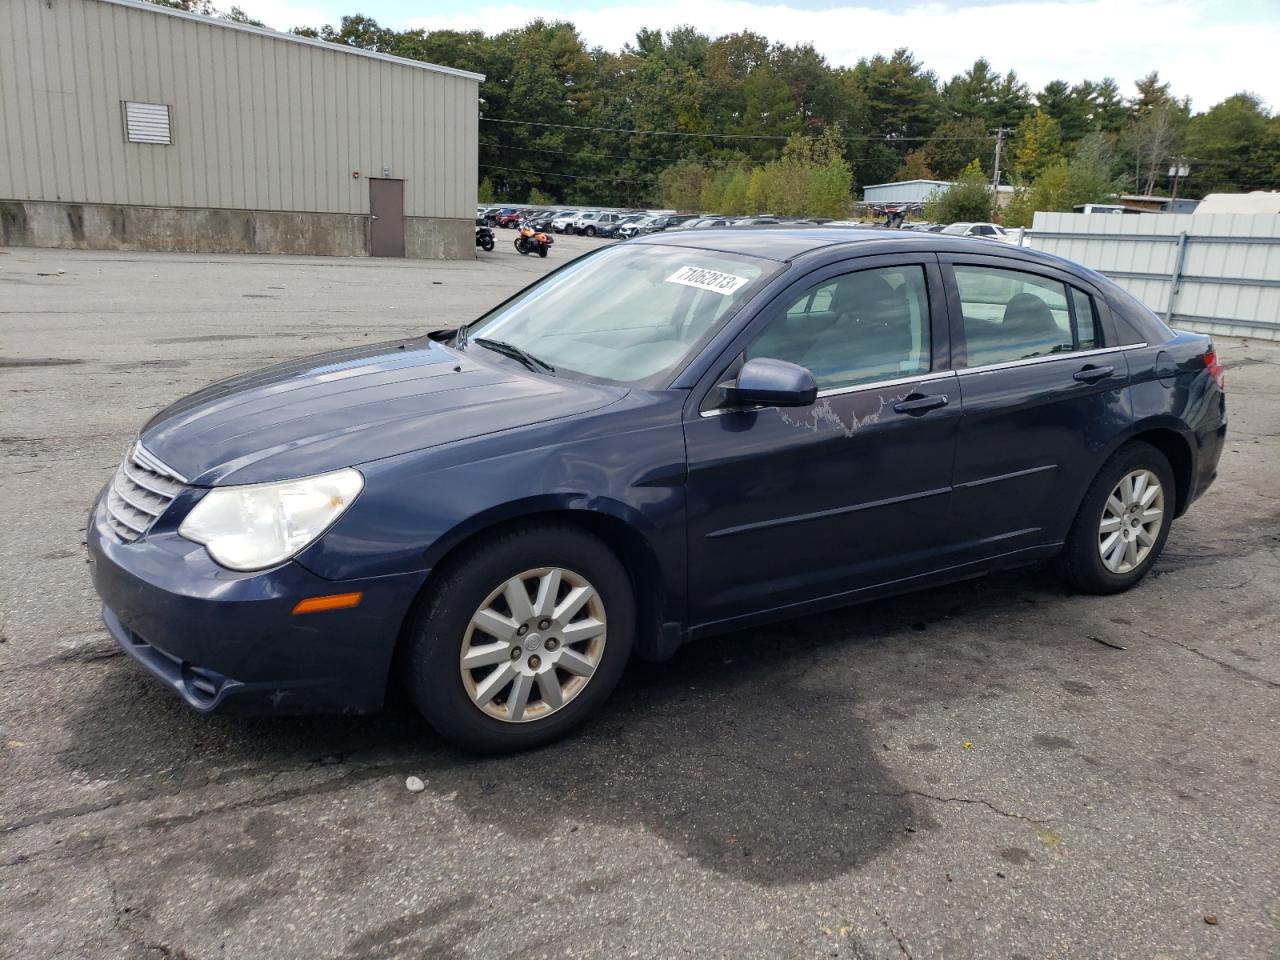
(386, 217)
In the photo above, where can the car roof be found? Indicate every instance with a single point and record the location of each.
(785, 243)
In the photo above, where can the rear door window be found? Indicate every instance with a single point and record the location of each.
(1086, 319)
(1013, 315)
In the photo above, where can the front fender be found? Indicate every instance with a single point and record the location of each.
(626, 462)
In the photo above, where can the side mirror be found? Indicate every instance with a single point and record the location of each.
(767, 382)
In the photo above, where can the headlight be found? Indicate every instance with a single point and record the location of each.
(259, 525)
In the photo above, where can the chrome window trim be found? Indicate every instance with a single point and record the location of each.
(840, 391)
(1029, 361)
(882, 384)
(942, 375)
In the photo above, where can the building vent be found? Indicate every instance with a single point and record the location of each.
(146, 122)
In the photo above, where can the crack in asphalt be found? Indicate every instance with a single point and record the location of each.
(87, 654)
(117, 923)
(1230, 667)
(354, 777)
(971, 800)
(902, 944)
(357, 775)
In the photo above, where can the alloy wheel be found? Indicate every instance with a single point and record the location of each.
(533, 644)
(1131, 521)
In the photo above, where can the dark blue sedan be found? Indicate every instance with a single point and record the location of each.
(668, 438)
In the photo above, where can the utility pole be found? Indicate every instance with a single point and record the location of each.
(1178, 170)
(995, 177)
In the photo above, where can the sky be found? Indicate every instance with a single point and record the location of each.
(1209, 49)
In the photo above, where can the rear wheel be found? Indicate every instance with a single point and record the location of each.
(1123, 522)
(522, 639)
(542, 251)
(591, 231)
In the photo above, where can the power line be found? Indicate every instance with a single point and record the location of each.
(567, 176)
(615, 156)
(715, 136)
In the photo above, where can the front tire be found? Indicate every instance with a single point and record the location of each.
(521, 639)
(1123, 522)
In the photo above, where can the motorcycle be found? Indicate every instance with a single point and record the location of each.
(484, 235)
(531, 240)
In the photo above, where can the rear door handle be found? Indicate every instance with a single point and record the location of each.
(1092, 374)
(920, 404)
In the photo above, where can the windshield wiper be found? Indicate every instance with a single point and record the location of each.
(515, 353)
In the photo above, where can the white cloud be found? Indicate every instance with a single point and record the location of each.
(1186, 40)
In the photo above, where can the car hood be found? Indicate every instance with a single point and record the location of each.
(351, 406)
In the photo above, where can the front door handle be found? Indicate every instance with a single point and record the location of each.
(1092, 374)
(917, 403)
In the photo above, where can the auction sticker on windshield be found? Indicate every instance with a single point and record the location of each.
(704, 279)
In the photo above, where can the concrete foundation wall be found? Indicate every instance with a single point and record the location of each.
(99, 226)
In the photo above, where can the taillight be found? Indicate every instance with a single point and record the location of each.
(1216, 370)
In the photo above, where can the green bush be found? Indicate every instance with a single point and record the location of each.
(968, 199)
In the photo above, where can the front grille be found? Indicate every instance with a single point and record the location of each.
(141, 490)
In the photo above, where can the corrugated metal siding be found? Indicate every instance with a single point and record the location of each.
(908, 191)
(1229, 281)
(258, 122)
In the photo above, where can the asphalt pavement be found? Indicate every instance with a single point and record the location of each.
(992, 769)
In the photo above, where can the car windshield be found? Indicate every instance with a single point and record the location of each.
(956, 228)
(627, 314)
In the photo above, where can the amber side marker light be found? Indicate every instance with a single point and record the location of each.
(334, 601)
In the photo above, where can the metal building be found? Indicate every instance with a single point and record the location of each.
(904, 191)
(126, 125)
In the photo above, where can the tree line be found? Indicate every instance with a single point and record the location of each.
(740, 124)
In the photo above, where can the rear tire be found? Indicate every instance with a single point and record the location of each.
(542, 251)
(1114, 542)
(591, 231)
(444, 628)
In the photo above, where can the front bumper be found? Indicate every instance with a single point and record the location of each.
(226, 640)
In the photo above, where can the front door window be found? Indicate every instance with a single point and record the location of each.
(853, 329)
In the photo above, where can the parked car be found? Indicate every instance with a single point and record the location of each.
(983, 231)
(591, 223)
(539, 220)
(676, 437)
(611, 230)
(755, 221)
(642, 224)
(701, 223)
(511, 218)
(666, 221)
(564, 220)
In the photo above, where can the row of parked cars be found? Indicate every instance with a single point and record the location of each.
(624, 224)
(619, 224)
